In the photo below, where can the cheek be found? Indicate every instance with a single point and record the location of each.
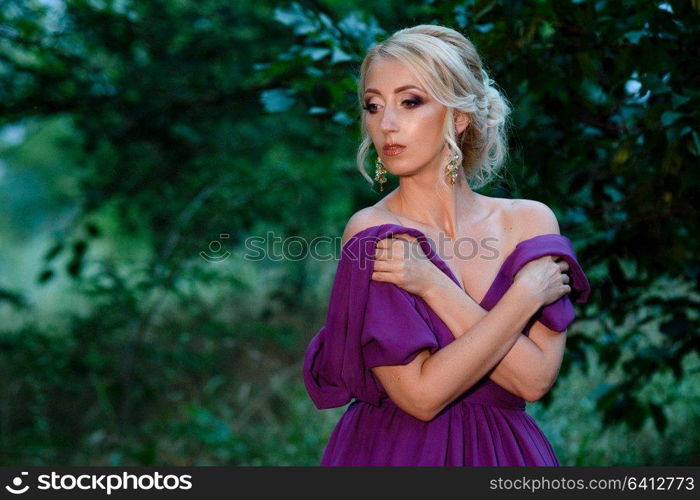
(423, 124)
(428, 123)
(372, 126)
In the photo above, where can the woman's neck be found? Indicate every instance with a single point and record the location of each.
(447, 211)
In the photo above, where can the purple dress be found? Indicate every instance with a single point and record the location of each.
(372, 323)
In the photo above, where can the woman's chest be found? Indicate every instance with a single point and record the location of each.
(475, 256)
(475, 259)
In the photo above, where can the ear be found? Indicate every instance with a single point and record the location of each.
(461, 122)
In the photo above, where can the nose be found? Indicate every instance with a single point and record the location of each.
(389, 122)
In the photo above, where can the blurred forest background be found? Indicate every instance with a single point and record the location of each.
(144, 143)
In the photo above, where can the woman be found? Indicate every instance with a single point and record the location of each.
(437, 377)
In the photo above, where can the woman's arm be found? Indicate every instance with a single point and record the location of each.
(532, 365)
(427, 384)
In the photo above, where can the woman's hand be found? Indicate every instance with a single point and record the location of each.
(544, 278)
(401, 260)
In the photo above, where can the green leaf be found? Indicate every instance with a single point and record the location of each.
(340, 56)
(277, 100)
(669, 117)
(343, 118)
(296, 17)
(613, 193)
(594, 92)
(592, 131)
(604, 393)
(634, 36)
(316, 53)
(366, 30)
(678, 100)
(696, 143)
(461, 16)
(484, 28)
(547, 30)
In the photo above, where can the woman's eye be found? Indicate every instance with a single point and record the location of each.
(412, 103)
(409, 103)
(371, 107)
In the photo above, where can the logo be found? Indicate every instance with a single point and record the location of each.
(17, 482)
(215, 246)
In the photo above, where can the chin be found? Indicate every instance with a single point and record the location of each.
(405, 167)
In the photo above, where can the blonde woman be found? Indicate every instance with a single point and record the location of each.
(449, 308)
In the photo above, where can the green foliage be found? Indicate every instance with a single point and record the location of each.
(147, 132)
(103, 397)
(326, 49)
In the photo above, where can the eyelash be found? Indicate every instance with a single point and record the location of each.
(415, 102)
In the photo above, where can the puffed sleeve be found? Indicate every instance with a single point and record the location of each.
(560, 314)
(394, 331)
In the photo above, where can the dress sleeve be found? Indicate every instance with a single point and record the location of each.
(394, 332)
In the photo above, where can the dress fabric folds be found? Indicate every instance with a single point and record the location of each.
(371, 323)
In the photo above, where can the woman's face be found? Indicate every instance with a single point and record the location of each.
(404, 122)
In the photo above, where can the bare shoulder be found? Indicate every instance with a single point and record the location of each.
(533, 217)
(367, 217)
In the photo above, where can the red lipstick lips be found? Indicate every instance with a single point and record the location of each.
(393, 149)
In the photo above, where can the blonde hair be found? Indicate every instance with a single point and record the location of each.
(450, 69)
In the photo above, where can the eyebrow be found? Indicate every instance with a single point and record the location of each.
(396, 90)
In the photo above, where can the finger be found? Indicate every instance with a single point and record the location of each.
(381, 276)
(404, 236)
(387, 253)
(563, 265)
(382, 266)
(380, 253)
(383, 243)
(398, 243)
(377, 276)
(392, 250)
(565, 278)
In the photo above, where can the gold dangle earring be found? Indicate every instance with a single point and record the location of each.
(380, 173)
(452, 169)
